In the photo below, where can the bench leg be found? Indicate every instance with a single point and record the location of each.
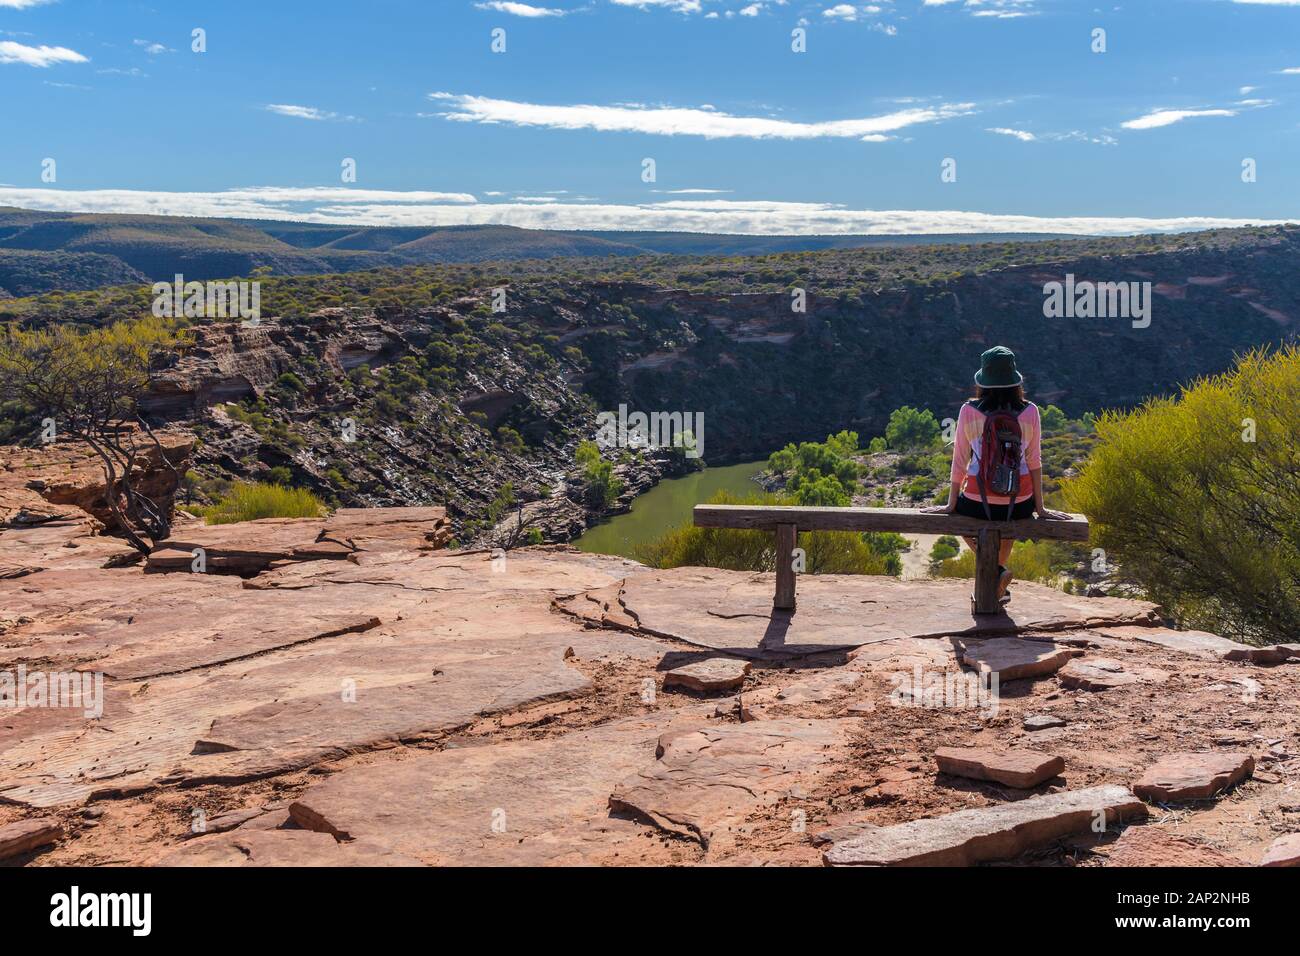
(787, 537)
(986, 571)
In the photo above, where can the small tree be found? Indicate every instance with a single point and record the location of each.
(1196, 500)
(911, 428)
(89, 383)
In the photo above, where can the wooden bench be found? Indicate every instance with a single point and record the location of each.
(787, 522)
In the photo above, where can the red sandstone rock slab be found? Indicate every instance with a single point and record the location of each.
(280, 848)
(1023, 769)
(1002, 832)
(716, 673)
(59, 545)
(131, 625)
(1193, 776)
(456, 641)
(1284, 851)
(23, 836)
(1152, 845)
(1036, 722)
(1014, 659)
(1104, 673)
(416, 528)
(1202, 644)
(732, 611)
(706, 780)
(66, 478)
(517, 802)
(460, 691)
(250, 547)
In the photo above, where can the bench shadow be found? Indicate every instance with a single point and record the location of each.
(773, 646)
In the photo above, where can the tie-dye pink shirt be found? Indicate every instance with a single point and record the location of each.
(969, 437)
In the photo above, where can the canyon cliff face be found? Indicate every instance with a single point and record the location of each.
(449, 403)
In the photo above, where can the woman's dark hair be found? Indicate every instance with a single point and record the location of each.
(997, 399)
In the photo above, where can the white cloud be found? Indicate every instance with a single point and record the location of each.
(304, 112)
(22, 4)
(340, 205)
(1020, 134)
(1291, 70)
(678, 6)
(41, 56)
(997, 9)
(1168, 117)
(521, 9)
(1071, 136)
(674, 121)
(152, 48)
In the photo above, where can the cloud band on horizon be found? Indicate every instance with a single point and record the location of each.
(365, 207)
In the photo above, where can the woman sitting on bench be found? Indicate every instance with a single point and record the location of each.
(1005, 481)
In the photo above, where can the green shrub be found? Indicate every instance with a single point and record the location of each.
(910, 428)
(1196, 499)
(249, 500)
(1029, 561)
(597, 474)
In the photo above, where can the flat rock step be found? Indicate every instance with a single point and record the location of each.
(1193, 776)
(716, 673)
(1022, 769)
(1003, 832)
(1103, 673)
(1207, 645)
(1284, 851)
(1014, 659)
(1152, 846)
(24, 836)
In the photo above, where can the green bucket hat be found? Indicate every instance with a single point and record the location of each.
(998, 369)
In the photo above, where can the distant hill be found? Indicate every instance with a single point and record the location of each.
(48, 251)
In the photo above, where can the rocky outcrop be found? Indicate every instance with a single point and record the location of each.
(248, 548)
(403, 706)
(65, 480)
(732, 612)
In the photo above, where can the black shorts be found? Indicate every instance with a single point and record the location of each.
(972, 508)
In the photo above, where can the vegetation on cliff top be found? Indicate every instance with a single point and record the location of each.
(1196, 499)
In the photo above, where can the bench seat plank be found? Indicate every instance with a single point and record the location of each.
(902, 520)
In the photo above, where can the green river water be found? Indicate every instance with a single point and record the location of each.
(665, 506)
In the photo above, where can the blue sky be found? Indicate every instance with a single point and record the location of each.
(746, 134)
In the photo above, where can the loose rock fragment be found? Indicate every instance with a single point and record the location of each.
(27, 835)
(1002, 832)
(1153, 846)
(1014, 768)
(1013, 659)
(1103, 673)
(716, 673)
(1284, 851)
(1043, 722)
(1193, 776)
